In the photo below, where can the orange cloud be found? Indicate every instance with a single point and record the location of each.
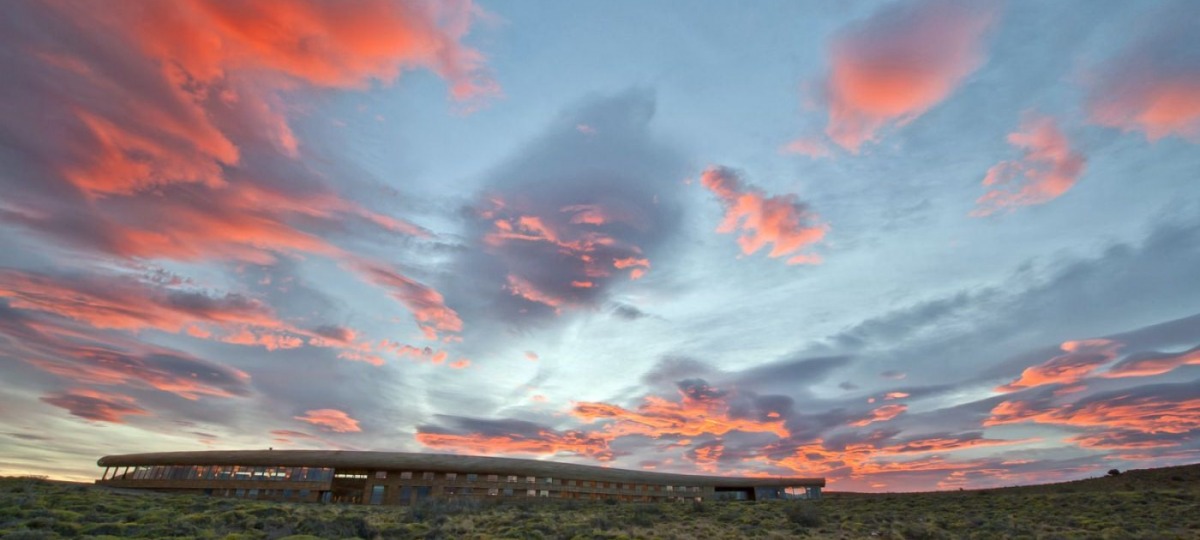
(1122, 440)
(781, 220)
(330, 420)
(96, 406)
(881, 414)
(657, 417)
(324, 44)
(706, 457)
(896, 65)
(1157, 364)
(1142, 414)
(544, 442)
(1048, 168)
(1081, 359)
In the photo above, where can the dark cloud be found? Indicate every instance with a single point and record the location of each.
(628, 312)
(699, 390)
(96, 406)
(582, 208)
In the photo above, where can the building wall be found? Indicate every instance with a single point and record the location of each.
(402, 487)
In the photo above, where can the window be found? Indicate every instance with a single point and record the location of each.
(253, 494)
(670, 488)
(570, 482)
(304, 494)
(426, 476)
(424, 491)
(531, 492)
(493, 491)
(544, 493)
(508, 492)
(377, 493)
(240, 493)
(531, 479)
(450, 477)
(549, 480)
(406, 475)
(287, 493)
(493, 478)
(512, 478)
(472, 477)
(381, 475)
(405, 494)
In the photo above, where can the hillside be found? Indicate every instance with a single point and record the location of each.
(1152, 503)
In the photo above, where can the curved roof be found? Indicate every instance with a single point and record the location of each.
(439, 463)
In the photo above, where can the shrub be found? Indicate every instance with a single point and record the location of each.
(1114, 472)
(803, 514)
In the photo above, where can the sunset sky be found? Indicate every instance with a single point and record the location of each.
(904, 245)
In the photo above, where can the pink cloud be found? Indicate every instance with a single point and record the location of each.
(894, 66)
(1048, 168)
(426, 304)
(1152, 86)
(330, 420)
(781, 220)
(806, 146)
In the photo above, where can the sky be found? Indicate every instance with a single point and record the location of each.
(902, 245)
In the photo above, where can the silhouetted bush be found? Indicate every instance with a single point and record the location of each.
(1114, 472)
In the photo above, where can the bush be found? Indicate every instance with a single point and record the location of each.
(1114, 472)
(803, 514)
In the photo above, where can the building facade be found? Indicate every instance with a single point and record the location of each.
(399, 478)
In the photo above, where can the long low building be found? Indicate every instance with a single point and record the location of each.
(405, 478)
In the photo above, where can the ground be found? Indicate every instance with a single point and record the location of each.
(1151, 503)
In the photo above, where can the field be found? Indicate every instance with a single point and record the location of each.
(1152, 503)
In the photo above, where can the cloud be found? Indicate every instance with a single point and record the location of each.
(572, 215)
(1149, 364)
(894, 66)
(807, 146)
(128, 302)
(85, 356)
(689, 417)
(1152, 86)
(1082, 358)
(1165, 408)
(426, 304)
(96, 406)
(171, 137)
(331, 420)
(507, 436)
(1048, 169)
(781, 220)
(881, 414)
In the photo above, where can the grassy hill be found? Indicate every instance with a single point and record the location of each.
(1151, 503)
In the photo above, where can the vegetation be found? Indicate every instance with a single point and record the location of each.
(1153, 503)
